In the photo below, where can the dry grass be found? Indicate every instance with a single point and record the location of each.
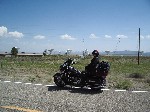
(124, 72)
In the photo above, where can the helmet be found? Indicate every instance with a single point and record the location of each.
(69, 61)
(95, 52)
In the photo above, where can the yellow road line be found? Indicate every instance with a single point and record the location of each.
(21, 109)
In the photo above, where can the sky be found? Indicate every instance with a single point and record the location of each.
(36, 25)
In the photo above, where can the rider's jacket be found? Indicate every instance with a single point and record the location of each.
(94, 62)
(91, 68)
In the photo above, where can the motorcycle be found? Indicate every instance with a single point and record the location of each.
(68, 75)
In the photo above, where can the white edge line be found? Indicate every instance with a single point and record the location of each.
(27, 83)
(7, 81)
(17, 82)
(105, 89)
(120, 90)
(49, 85)
(139, 91)
(79, 87)
(38, 84)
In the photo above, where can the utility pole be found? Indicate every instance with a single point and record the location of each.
(139, 49)
(83, 47)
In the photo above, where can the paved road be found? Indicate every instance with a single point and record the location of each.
(35, 98)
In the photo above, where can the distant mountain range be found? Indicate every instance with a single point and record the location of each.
(126, 53)
(123, 53)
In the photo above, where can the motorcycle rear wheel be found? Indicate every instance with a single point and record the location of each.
(96, 89)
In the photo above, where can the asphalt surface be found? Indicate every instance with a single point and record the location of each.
(54, 99)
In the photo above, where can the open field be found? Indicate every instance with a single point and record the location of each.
(125, 73)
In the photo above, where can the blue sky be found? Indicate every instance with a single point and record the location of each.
(36, 25)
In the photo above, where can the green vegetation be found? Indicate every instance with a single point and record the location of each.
(14, 51)
(125, 73)
(136, 75)
(123, 84)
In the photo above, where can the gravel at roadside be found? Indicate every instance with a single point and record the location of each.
(54, 99)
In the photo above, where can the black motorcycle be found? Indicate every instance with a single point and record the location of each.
(68, 75)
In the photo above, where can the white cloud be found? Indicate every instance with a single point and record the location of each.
(67, 37)
(108, 36)
(15, 34)
(3, 31)
(148, 36)
(141, 36)
(93, 36)
(39, 37)
(121, 36)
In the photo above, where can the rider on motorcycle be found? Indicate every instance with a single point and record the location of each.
(95, 59)
(91, 68)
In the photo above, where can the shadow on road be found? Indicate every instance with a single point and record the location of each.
(74, 90)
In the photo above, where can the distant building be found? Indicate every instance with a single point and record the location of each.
(127, 53)
(5, 54)
(21, 55)
(29, 55)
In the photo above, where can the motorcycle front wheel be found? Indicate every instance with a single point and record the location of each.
(58, 80)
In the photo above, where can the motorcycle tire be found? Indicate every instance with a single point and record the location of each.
(96, 89)
(77, 80)
(58, 80)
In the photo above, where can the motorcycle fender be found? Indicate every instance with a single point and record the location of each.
(57, 74)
